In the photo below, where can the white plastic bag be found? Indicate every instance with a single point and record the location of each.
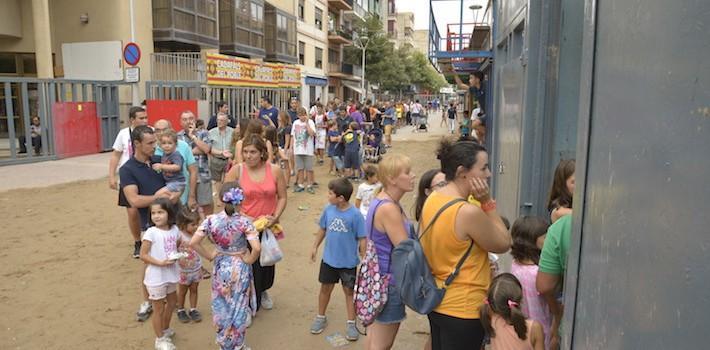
(270, 251)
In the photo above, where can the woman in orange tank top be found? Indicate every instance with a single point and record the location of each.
(264, 188)
(455, 323)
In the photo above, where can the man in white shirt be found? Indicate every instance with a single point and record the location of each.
(122, 151)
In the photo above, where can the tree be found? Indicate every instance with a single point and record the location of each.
(393, 69)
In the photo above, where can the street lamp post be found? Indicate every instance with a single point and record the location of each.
(361, 42)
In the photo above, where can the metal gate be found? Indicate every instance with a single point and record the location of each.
(638, 265)
(22, 99)
(242, 101)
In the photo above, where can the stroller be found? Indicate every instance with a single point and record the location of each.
(422, 122)
(372, 146)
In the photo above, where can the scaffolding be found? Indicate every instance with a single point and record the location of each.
(466, 46)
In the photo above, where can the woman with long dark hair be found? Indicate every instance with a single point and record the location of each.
(559, 203)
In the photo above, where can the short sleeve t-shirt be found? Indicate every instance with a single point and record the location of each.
(221, 141)
(553, 259)
(145, 178)
(480, 95)
(343, 230)
(170, 159)
(271, 113)
(352, 142)
(123, 144)
(303, 143)
(365, 193)
(389, 114)
(189, 159)
(281, 135)
(335, 149)
(162, 244)
(451, 112)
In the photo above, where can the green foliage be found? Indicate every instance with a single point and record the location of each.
(393, 69)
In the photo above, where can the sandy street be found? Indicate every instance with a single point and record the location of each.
(69, 281)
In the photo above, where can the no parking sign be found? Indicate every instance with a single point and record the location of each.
(132, 54)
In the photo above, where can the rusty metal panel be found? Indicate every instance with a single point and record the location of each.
(639, 265)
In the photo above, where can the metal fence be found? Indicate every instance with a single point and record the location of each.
(23, 99)
(243, 101)
(177, 66)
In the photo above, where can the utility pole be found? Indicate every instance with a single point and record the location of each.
(134, 86)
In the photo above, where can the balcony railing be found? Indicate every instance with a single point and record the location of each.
(345, 69)
(357, 11)
(177, 66)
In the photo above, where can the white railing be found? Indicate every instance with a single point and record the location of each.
(177, 66)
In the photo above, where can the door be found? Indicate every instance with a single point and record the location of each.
(511, 82)
(106, 97)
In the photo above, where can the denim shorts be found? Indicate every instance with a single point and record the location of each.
(393, 311)
(338, 162)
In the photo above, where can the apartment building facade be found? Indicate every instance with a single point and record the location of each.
(405, 29)
(313, 50)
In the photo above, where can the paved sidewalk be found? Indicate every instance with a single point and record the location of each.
(54, 172)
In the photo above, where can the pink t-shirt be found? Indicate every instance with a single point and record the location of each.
(534, 306)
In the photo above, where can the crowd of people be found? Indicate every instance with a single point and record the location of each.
(167, 181)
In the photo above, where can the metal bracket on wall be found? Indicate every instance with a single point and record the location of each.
(501, 168)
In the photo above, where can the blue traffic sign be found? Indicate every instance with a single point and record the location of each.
(132, 54)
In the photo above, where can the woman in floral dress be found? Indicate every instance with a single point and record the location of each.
(233, 294)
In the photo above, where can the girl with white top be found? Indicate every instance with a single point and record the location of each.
(158, 251)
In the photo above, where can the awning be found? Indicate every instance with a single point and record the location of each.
(317, 81)
(353, 86)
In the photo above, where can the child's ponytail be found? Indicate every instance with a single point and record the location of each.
(485, 312)
(504, 298)
(231, 195)
(517, 319)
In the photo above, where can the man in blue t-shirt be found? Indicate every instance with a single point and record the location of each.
(268, 113)
(142, 185)
(343, 228)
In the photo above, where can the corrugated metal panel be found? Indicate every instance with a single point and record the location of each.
(641, 239)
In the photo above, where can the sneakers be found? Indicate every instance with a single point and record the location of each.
(164, 343)
(311, 190)
(169, 333)
(144, 311)
(182, 316)
(266, 301)
(351, 332)
(136, 249)
(298, 188)
(319, 324)
(195, 315)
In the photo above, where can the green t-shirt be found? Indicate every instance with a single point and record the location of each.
(553, 259)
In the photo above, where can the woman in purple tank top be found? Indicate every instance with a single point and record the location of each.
(388, 226)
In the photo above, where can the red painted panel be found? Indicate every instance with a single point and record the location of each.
(169, 110)
(76, 129)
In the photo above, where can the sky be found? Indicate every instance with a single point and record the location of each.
(444, 11)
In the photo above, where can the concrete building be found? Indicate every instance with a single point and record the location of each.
(421, 41)
(391, 25)
(405, 29)
(343, 79)
(312, 48)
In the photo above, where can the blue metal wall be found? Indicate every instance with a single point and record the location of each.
(639, 268)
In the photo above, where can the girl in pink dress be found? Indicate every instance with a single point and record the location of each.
(528, 234)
